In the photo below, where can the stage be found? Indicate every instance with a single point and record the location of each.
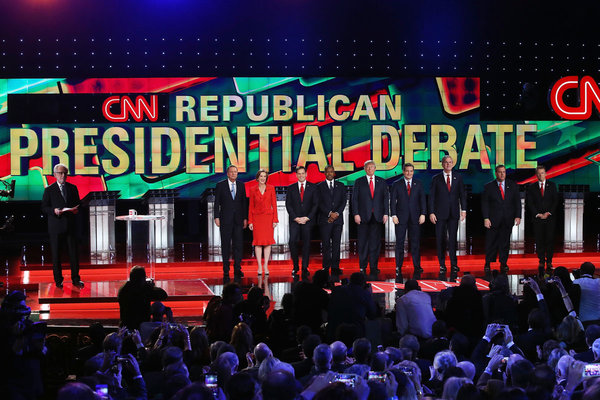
(190, 284)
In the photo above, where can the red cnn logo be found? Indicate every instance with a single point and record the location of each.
(588, 93)
(128, 108)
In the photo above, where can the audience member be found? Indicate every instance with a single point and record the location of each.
(136, 296)
(414, 314)
(589, 305)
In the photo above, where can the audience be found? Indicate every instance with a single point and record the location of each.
(136, 296)
(540, 360)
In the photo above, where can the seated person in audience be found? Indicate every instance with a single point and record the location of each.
(302, 367)
(135, 297)
(438, 341)
(260, 353)
(361, 351)
(339, 354)
(592, 332)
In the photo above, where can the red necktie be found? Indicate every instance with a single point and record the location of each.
(542, 189)
(501, 190)
(448, 182)
(302, 192)
(408, 187)
(371, 187)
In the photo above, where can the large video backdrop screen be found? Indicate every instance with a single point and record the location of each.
(133, 135)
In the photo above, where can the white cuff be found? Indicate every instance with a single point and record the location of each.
(540, 297)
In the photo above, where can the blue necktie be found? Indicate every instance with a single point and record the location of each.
(233, 190)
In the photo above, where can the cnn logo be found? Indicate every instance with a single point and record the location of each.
(129, 109)
(588, 92)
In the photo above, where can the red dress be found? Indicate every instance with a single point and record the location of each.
(262, 213)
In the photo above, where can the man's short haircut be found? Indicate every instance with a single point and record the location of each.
(540, 166)
(329, 166)
(411, 284)
(280, 386)
(339, 351)
(592, 333)
(410, 342)
(587, 268)
(369, 162)
(358, 278)
(520, 373)
(300, 167)
(57, 166)
(262, 351)
(231, 166)
(406, 165)
(535, 319)
(137, 274)
(447, 156)
(241, 386)
(322, 356)
(309, 344)
(260, 171)
(499, 166)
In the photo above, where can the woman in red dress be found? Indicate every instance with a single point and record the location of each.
(262, 219)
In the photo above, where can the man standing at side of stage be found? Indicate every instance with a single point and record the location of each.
(231, 216)
(501, 210)
(332, 202)
(60, 203)
(301, 204)
(370, 207)
(542, 200)
(408, 209)
(447, 203)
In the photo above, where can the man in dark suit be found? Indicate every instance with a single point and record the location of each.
(301, 204)
(408, 210)
(370, 207)
(447, 203)
(332, 202)
(542, 200)
(60, 203)
(231, 216)
(501, 210)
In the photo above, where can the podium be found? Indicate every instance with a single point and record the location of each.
(214, 232)
(517, 236)
(282, 230)
(574, 206)
(161, 202)
(102, 207)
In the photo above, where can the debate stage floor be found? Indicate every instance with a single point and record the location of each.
(190, 284)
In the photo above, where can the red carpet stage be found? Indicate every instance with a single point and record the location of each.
(190, 284)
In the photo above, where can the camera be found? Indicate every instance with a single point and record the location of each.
(591, 371)
(347, 379)
(408, 371)
(377, 376)
(102, 391)
(211, 382)
(523, 281)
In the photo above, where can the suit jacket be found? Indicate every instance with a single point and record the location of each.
(331, 202)
(536, 204)
(53, 199)
(408, 208)
(228, 210)
(362, 202)
(498, 210)
(305, 208)
(446, 204)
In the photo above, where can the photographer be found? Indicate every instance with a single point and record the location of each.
(22, 344)
(135, 297)
(122, 375)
